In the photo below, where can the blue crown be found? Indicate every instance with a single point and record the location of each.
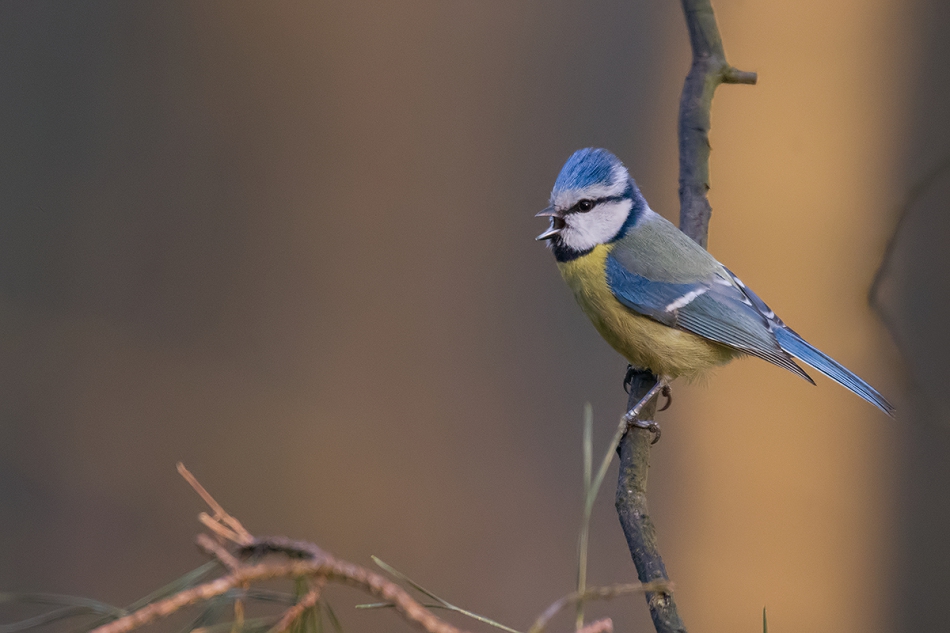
(586, 167)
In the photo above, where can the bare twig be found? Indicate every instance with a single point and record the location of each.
(221, 523)
(308, 601)
(284, 545)
(709, 69)
(211, 547)
(595, 593)
(221, 530)
(328, 567)
(238, 623)
(631, 504)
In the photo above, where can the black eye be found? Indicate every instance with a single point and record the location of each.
(585, 205)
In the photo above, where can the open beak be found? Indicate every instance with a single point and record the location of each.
(557, 222)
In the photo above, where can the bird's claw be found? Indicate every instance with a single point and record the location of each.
(632, 373)
(661, 387)
(668, 394)
(628, 378)
(647, 425)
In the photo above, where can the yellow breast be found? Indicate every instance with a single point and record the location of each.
(641, 340)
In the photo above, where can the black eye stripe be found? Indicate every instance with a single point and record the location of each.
(576, 207)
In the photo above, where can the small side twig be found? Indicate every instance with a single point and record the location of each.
(595, 593)
(221, 523)
(223, 556)
(308, 601)
(211, 547)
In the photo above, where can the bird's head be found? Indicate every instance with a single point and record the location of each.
(592, 200)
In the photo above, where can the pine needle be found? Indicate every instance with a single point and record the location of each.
(444, 603)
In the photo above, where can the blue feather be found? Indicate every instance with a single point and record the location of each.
(718, 314)
(804, 351)
(584, 168)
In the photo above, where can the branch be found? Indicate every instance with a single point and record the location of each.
(211, 547)
(594, 593)
(634, 452)
(316, 564)
(307, 602)
(304, 560)
(332, 569)
(709, 69)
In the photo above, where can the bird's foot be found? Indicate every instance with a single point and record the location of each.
(661, 386)
(628, 378)
(648, 425)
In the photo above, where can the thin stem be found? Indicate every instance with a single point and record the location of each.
(444, 603)
(594, 486)
(588, 447)
(593, 593)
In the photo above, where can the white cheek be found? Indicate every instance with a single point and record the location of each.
(586, 230)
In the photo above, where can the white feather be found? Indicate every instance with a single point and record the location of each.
(584, 231)
(684, 300)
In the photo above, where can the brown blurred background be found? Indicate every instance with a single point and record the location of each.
(291, 245)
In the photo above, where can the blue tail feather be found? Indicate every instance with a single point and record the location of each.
(801, 349)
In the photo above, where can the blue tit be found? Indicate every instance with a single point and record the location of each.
(658, 297)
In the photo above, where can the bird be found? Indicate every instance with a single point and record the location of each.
(657, 297)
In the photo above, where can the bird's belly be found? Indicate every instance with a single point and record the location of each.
(641, 340)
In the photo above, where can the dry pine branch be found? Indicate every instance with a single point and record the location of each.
(229, 541)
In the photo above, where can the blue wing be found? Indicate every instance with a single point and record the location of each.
(801, 349)
(720, 308)
(714, 308)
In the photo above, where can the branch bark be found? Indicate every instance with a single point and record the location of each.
(709, 69)
(634, 452)
(326, 567)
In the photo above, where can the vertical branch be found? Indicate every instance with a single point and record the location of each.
(709, 69)
(634, 452)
